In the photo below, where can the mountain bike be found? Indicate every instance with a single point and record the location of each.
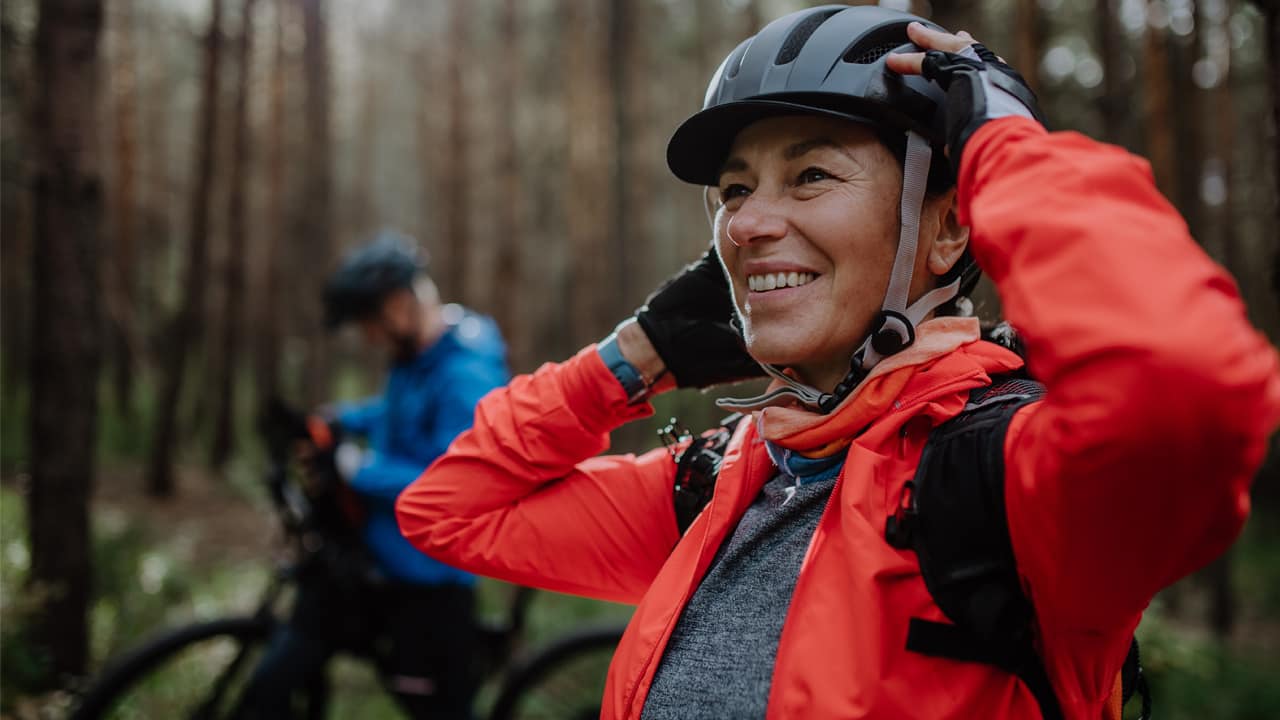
(199, 671)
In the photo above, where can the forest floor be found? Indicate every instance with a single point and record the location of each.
(217, 523)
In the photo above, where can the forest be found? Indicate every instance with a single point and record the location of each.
(179, 177)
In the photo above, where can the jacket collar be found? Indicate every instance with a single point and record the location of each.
(893, 381)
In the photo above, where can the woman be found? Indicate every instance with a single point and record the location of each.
(845, 246)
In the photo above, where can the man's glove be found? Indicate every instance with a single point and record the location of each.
(980, 87)
(348, 458)
(689, 322)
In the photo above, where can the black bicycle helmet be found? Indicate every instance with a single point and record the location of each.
(827, 60)
(830, 61)
(368, 274)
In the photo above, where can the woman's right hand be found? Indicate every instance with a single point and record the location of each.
(688, 320)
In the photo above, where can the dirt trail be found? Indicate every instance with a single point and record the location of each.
(208, 521)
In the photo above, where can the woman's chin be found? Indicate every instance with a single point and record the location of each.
(781, 354)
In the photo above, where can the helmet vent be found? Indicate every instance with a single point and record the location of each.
(859, 56)
(800, 34)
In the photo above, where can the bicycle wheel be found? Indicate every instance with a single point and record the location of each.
(195, 671)
(564, 681)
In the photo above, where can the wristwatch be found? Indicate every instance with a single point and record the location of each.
(632, 382)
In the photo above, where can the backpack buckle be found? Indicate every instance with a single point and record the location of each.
(672, 435)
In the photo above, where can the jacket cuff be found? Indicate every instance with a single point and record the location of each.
(992, 137)
(593, 394)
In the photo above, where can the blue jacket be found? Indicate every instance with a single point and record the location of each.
(427, 401)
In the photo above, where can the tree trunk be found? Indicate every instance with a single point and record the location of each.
(1029, 31)
(268, 364)
(1272, 10)
(1156, 105)
(507, 282)
(186, 323)
(957, 15)
(1189, 129)
(121, 278)
(1223, 122)
(237, 243)
(66, 342)
(453, 191)
(1222, 603)
(316, 234)
(589, 206)
(156, 242)
(1111, 104)
(623, 19)
(15, 212)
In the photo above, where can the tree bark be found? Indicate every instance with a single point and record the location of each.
(1189, 124)
(507, 284)
(316, 236)
(268, 361)
(66, 341)
(15, 211)
(957, 15)
(589, 205)
(1271, 8)
(1156, 105)
(121, 278)
(1029, 31)
(454, 190)
(1223, 120)
(623, 18)
(237, 243)
(1110, 42)
(186, 323)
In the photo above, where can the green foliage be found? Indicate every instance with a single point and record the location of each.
(14, 428)
(1256, 566)
(1193, 676)
(124, 432)
(23, 667)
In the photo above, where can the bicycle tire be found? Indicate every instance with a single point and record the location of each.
(132, 670)
(564, 680)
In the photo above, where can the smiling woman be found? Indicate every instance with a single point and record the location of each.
(818, 197)
(905, 525)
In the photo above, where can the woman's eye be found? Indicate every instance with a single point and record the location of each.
(731, 192)
(812, 175)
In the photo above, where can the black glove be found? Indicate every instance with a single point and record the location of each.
(980, 87)
(689, 321)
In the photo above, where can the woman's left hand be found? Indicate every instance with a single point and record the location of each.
(964, 69)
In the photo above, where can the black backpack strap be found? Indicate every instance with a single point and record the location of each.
(697, 465)
(952, 515)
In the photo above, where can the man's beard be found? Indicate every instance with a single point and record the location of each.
(403, 348)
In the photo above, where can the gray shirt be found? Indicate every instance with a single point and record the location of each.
(719, 660)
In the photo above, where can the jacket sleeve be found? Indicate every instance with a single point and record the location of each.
(520, 496)
(1135, 469)
(462, 385)
(384, 476)
(359, 418)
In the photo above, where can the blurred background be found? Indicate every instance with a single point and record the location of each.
(180, 175)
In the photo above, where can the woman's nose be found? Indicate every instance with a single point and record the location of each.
(756, 220)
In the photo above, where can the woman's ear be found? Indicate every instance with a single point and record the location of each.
(952, 238)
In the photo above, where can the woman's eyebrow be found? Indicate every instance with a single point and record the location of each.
(733, 164)
(791, 152)
(802, 148)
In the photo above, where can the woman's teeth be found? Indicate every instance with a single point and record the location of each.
(776, 281)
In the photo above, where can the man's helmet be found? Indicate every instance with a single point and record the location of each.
(830, 61)
(368, 275)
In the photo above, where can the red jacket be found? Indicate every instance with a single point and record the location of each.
(1132, 472)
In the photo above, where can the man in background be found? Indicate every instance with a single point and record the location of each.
(416, 612)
